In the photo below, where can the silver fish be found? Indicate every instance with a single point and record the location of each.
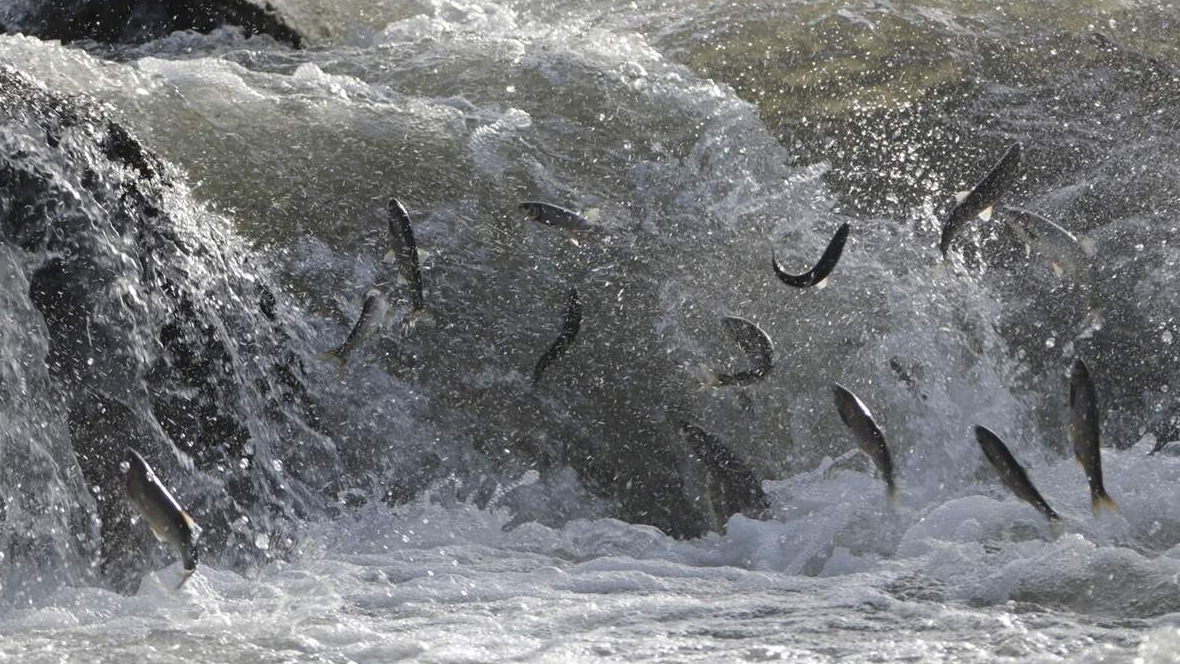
(1013, 475)
(821, 270)
(980, 200)
(571, 322)
(738, 488)
(169, 523)
(405, 254)
(1066, 254)
(556, 216)
(856, 416)
(1083, 433)
(372, 314)
(757, 346)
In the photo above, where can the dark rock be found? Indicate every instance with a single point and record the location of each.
(158, 333)
(133, 21)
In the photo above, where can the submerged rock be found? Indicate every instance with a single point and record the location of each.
(133, 317)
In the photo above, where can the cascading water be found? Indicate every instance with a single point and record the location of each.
(184, 240)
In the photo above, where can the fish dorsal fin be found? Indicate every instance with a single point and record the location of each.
(1057, 271)
(1087, 245)
(986, 213)
(961, 196)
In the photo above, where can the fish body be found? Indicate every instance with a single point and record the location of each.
(757, 346)
(169, 523)
(1083, 432)
(856, 416)
(738, 488)
(571, 323)
(372, 314)
(1012, 474)
(405, 254)
(821, 269)
(556, 216)
(1066, 254)
(980, 200)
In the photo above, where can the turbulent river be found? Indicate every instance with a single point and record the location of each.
(430, 503)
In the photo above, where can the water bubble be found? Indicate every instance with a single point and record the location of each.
(1050, 342)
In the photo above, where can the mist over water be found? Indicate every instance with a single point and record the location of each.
(434, 505)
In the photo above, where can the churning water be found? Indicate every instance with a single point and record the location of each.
(431, 504)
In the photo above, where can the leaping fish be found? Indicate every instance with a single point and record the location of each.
(738, 486)
(571, 322)
(758, 348)
(1013, 475)
(1068, 255)
(556, 216)
(981, 199)
(168, 522)
(372, 314)
(1083, 432)
(821, 270)
(856, 416)
(405, 254)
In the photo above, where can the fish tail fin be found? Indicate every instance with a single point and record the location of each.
(188, 556)
(1100, 499)
(709, 377)
(893, 494)
(184, 577)
(1056, 527)
(338, 357)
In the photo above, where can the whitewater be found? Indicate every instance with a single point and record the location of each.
(434, 506)
(833, 577)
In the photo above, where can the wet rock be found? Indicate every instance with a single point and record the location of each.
(133, 21)
(148, 326)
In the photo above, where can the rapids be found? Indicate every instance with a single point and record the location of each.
(213, 208)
